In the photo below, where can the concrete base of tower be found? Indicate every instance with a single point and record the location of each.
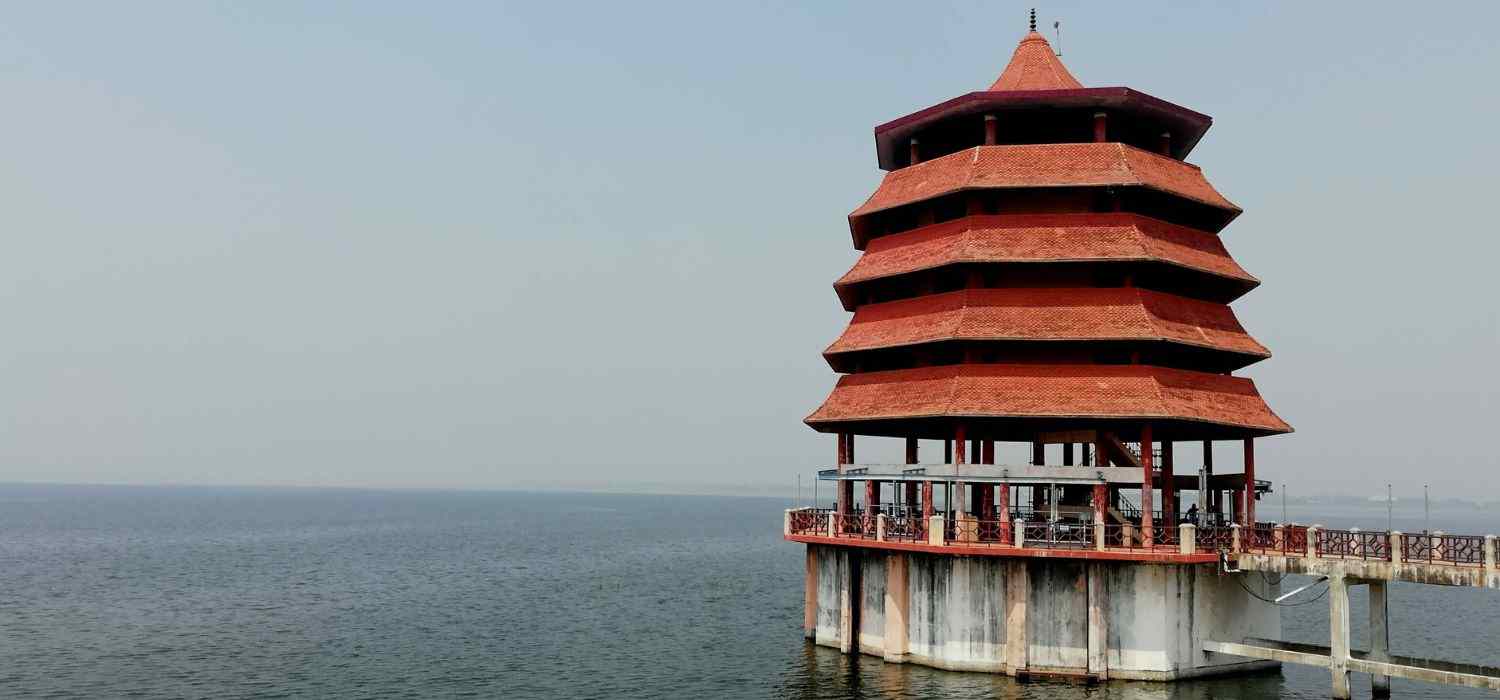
(1037, 617)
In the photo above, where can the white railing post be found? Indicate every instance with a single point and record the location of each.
(832, 522)
(786, 523)
(1278, 537)
(880, 527)
(935, 531)
(1234, 538)
(1187, 539)
(1020, 532)
(1490, 555)
(1099, 536)
(1396, 555)
(1312, 541)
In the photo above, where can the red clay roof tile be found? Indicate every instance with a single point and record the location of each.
(1044, 238)
(1136, 392)
(1042, 165)
(1034, 66)
(1047, 314)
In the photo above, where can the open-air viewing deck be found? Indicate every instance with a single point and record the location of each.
(1433, 558)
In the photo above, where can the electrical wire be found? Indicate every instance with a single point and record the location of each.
(1273, 602)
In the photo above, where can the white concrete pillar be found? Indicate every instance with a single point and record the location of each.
(1396, 555)
(1187, 539)
(935, 531)
(1312, 542)
(880, 527)
(1234, 538)
(1020, 532)
(1098, 621)
(1338, 632)
(786, 523)
(832, 523)
(1099, 537)
(1380, 637)
(1490, 555)
(896, 602)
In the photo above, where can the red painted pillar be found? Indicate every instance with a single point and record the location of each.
(1168, 486)
(1038, 494)
(926, 501)
(1147, 449)
(911, 486)
(960, 458)
(1004, 513)
(991, 130)
(1212, 497)
(987, 456)
(841, 495)
(1101, 500)
(1101, 131)
(872, 503)
(1249, 509)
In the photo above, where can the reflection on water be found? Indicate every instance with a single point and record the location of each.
(825, 673)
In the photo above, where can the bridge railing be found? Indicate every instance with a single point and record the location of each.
(1353, 544)
(1458, 550)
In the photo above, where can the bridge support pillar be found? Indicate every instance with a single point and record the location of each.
(1380, 637)
(1338, 631)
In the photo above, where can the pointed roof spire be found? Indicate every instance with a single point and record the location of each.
(1035, 67)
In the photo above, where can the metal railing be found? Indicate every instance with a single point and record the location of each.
(809, 521)
(853, 525)
(1059, 535)
(906, 528)
(981, 533)
(1458, 550)
(1353, 544)
(1214, 538)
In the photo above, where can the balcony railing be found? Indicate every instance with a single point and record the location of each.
(1059, 535)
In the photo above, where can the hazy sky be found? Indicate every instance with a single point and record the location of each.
(494, 245)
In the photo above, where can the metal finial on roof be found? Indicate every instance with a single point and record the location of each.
(1033, 19)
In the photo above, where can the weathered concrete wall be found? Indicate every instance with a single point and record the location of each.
(1158, 617)
(1121, 620)
(872, 615)
(1057, 617)
(833, 569)
(956, 610)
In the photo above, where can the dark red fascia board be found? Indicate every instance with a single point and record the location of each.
(1190, 124)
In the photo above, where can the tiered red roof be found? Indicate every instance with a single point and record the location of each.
(1047, 314)
(1103, 392)
(1046, 319)
(1043, 165)
(1045, 238)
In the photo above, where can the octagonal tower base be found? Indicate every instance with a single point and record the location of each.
(1028, 616)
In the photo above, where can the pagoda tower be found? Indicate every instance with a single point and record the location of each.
(1039, 265)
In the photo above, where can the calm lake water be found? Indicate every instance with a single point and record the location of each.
(267, 593)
